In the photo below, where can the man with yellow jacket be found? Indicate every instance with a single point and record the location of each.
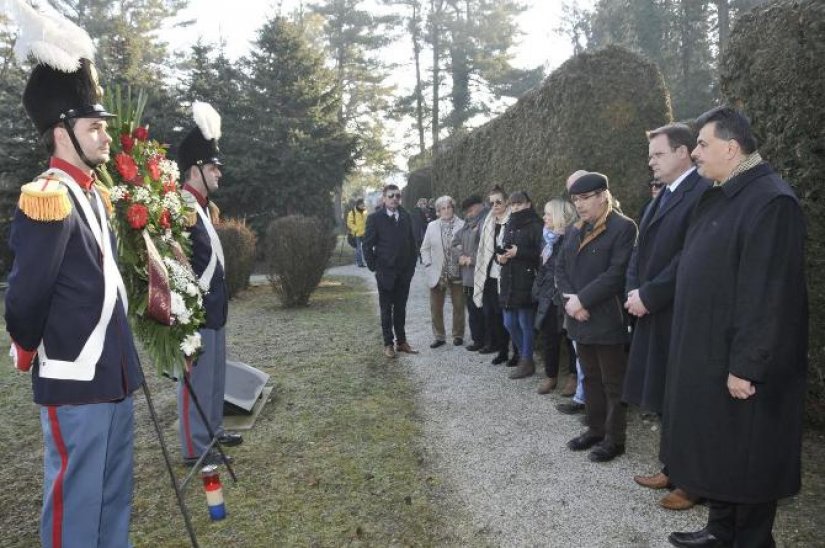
(357, 226)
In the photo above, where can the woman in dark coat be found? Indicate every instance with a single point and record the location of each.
(558, 215)
(518, 254)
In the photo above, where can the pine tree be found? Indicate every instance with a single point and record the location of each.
(296, 149)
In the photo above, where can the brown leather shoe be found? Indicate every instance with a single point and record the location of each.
(547, 386)
(389, 351)
(656, 481)
(569, 386)
(678, 499)
(405, 347)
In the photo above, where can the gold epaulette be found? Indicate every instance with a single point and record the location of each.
(106, 196)
(214, 213)
(45, 199)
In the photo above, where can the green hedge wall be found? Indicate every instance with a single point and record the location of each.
(774, 69)
(591, 113)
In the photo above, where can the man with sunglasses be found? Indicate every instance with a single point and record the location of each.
(391, 252)
(651, 279)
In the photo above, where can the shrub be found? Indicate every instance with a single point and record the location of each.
(773, 68)
(238, 243)
(591, 113)
(298, 249)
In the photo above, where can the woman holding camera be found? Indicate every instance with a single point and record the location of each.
(518, 255)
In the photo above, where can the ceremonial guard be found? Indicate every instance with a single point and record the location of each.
(65, 303)
(200, 170)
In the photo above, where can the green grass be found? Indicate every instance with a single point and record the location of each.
(336, 458)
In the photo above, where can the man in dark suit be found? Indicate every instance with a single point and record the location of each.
(651, 279)
(390, 251)
(732, 420)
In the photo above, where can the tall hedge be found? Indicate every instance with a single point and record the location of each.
(591, 113)
(774, 69)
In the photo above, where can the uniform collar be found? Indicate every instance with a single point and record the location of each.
(198, 196)
(82, 177)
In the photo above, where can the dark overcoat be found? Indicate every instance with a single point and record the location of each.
(545, 292)
(390, 248)
(652, 270)
(522, 230)
(592, 264)
(740, 308)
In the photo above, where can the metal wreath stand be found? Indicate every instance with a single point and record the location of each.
(181, 488)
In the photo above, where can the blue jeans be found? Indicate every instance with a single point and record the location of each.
(519, 323)
(359, 251)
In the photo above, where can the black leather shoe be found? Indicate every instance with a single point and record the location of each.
(512, 362)
(570, 408)
(498, 360)
(487, 350)
(458, 341)
(436, 344)
(583, 441)
(702, 538)
(604, 452)
(230, 439)
(475, 347)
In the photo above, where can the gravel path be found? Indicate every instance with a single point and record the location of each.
(500, 448)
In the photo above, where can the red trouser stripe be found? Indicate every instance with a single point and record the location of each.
(187, 428)
(57, 492)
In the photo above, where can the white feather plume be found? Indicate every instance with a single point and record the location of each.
(51, 38)
(207, 119)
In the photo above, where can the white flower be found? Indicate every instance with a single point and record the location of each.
(169, 170)
(192, 290)
(191, 344)
(171, 201)
(142, 195)
(178, 305)
(118, 193)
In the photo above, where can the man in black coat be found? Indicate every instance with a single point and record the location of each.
(732, 424)
(590, 274)
(390, 251)
(651, 279)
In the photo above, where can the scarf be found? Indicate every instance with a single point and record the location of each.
(599, 227)
(749, 162)
(550, 238)
(486, 248)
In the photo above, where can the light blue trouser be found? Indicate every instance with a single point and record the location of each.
(208, 380)
(87, 474)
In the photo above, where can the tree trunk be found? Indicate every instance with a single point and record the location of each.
(435, 30)
(723, 15)
(419, 91)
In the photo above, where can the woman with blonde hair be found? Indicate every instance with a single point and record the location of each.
(441, 267)
(558, 214)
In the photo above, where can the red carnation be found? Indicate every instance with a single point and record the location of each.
(127, 167)
(169, 186)
(153, 165)
(166, 219)
(137, 215)
(141, 133)
(127, 143)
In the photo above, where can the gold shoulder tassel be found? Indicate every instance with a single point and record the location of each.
(45, 200)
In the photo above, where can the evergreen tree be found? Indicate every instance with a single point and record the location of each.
(296, 149)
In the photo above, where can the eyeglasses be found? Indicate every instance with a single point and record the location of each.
(657, 186)
(496, 202)
(658, 155)
(576, 198)
(392, 195)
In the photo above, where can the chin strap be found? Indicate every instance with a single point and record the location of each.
(68, 124)
(199, 165)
